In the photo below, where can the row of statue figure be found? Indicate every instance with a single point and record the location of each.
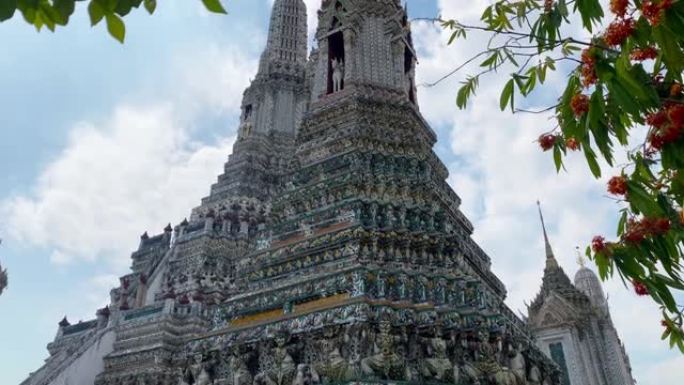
(419, 289)
(399, 217)
(364, 352)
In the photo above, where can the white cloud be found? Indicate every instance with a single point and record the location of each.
(664, 372)
(134, 170)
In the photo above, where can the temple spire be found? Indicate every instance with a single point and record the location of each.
(287, 39)
(550, 258)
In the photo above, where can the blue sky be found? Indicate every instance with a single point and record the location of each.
(102, 141)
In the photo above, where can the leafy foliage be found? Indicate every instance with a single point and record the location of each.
(627, 76)
(54, 13)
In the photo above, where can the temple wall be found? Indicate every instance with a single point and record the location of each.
(82, 370)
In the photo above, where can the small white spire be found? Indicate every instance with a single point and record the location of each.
(550, 258)
(580, 259)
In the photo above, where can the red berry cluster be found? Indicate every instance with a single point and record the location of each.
(637, 231)
(653, 12)
(548, 5)
(588, 69)
(572, 144)
(642, 54)
(639, 288)
(619, 7)
(547, 141)
(667, 125)
(579, 104)
(617, 185)
(618, 31)
(598, 244)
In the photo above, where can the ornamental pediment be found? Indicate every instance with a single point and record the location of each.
(555, 311)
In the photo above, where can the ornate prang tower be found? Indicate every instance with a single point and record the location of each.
(572, 325)
(331, 250)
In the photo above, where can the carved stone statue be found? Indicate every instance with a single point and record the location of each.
(282, 372)
(306, 376)
(338, 74)
(333, 368)
(381, 286)
(517, 365)
(505, 376)
(385, 363)
(196, 371)
(200, 371)
(359, 284)
(402, 289)
(237, 366)
(437, 366)
(535, 376)
(183, 377)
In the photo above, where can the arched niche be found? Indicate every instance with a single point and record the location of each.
(336, 57)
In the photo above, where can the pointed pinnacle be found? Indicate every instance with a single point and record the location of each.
(549, 251)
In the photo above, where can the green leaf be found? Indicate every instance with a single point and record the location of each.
(624, 99)
(626, 79)
(65, 8)
(590, 155)
(642, 201)
(591, 11)
(7, 8)
(96, 12)
(453, 37)
(123, 7)
(672, 54)
(511, 57)
(116, 27)
(490, 61)
(507, 95)
(150, 6)
(622, 223)
(462, 97)
(557, 158)
(214, 6)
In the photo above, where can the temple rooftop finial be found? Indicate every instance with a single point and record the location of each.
(580, 259)
(550, 258)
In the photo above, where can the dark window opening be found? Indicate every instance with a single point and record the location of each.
(335, 23)
(336, 60)
(408, 60)
(248, 112)
(558, 356)
(409, 64)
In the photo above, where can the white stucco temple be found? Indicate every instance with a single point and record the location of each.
(572, 325)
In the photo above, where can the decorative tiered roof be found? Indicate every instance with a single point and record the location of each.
(555, 280)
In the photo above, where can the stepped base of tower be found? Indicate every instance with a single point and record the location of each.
(348, 338)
